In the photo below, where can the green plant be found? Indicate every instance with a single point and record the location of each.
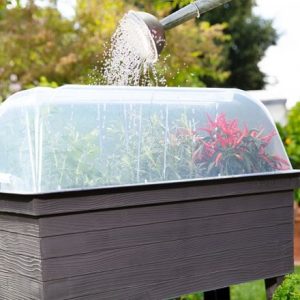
(290, 135)
(198, 296)
(107, 145)
(292, 131)
(289, 289)
(142, 147)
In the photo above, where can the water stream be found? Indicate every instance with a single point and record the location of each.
(127, 62)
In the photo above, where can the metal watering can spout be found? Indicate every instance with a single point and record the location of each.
(193, 10)
(147, 24)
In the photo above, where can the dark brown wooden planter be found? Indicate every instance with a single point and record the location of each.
(146, 242)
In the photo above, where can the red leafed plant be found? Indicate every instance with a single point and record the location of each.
(226, 149)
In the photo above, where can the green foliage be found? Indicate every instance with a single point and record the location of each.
(77, 166)
(57, 50)
(198, 58)
(250, 38)
(282, 132)
(49, 49)
(198, 296)
(292, 130)
(289, 289)
(109, 144)
(40, 47)
(95, 148)
(248, 291)
(43, 82)
(290, 134)
(4, 4)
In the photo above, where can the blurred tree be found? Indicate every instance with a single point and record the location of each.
(198, 58)
(95, 22)
(251, 36)
(41, 47)
(35, 42)
(3, 7)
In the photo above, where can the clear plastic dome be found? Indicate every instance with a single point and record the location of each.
(81, 137)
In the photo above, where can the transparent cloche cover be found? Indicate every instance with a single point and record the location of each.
(83, 137)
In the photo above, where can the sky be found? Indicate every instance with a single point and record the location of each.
(281, 62)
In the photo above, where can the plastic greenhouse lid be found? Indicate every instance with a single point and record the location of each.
(158, 184)
(117, 94)
(160, 95)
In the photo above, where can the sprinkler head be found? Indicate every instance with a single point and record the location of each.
(149, 33)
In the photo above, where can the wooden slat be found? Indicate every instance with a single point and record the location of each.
(19, 224)
(141, 276)
(154, 233)
(68, 266)
(174, 288)
(16, 287)
(93, 221)
(222, 278)
(78, 201)
(20, 244)
(18, 204)
(163, 194)
(20, 264)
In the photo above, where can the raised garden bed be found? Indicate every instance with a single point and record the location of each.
(141, 193)
(153, 241)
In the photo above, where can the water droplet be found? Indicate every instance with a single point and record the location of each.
(124, 64)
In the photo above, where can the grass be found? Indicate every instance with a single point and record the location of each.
(252, 290)
(247, 291)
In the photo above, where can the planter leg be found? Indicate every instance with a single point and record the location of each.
(221, 294)
(271, 284)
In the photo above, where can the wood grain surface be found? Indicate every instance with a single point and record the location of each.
(116, 218)
(20, 264)
(102, 261)
(16, 287)
(20, 244)
(154, 242)
(108, 198)
(19, 224)
(184, 285)
(87, 242)
(180, 271)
